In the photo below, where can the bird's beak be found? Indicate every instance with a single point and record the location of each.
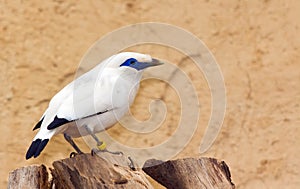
(155, 62)
(143, 65)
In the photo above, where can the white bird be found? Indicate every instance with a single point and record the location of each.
(93, 102)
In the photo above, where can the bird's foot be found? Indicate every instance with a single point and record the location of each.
(115, 153)
(102, 148)
(73, 154)
(96, 150)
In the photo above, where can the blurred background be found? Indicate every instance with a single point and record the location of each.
(256, 43)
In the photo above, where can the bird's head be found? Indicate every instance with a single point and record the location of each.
(134, 61)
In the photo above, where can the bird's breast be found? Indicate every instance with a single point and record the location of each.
(122, 92)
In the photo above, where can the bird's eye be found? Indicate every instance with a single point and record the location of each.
(132, 62)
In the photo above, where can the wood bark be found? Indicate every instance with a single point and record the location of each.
(33, 176)
(116, 171)
(107, 171)
(189, 173)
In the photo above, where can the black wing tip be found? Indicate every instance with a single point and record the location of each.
(36, 148)
(38, 125)
(57, 122)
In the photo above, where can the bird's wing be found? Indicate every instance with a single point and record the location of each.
(61, 108)
(82, 98)
(81, 104)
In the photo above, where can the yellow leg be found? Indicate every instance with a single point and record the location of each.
(101, 145)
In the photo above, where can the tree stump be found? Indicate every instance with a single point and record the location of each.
(33, 176)
(114, 171)
(104, 171)
(189, 173)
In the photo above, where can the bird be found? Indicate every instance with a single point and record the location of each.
(93, 102)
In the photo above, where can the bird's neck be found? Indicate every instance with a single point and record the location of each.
(132, 75)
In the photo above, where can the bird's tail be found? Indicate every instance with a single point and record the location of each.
(38, 144)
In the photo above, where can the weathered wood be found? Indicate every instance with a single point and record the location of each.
(104, 171)
(116, 171)
(189, 173)
(33, 177)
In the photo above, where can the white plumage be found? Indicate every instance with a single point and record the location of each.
(93, 102)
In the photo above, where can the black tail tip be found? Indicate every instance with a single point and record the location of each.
(36, 148)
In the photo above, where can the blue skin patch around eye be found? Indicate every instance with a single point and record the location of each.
(133, 63)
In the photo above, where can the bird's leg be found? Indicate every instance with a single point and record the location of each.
(71, 141)
(101, 145)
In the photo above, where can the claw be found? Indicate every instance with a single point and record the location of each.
(94, 151)
(73, 154)
(131, 164)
